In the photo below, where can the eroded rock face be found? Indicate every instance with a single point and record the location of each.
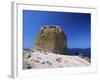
(51, 38)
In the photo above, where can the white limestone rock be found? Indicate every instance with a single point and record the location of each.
(51, 60)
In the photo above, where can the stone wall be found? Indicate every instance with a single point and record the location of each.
(51, 38)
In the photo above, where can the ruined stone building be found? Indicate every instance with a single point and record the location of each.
(51, 38)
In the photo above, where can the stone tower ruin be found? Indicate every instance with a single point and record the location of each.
(51, 38)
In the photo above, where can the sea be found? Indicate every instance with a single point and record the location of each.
(84, 52)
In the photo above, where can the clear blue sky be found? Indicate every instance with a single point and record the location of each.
(77, 27)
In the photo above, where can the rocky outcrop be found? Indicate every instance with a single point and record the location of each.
(51, 38)
(37, 60)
